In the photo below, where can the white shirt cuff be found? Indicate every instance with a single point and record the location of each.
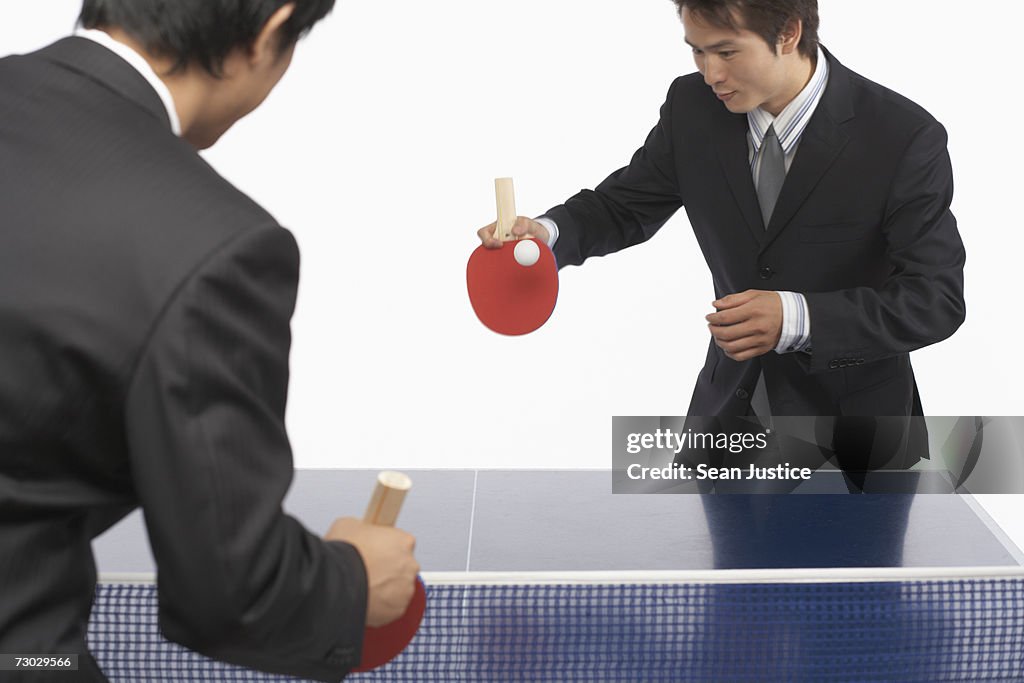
(796, 323)
(552, 229)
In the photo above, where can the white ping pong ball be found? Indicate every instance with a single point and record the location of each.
(526, 252)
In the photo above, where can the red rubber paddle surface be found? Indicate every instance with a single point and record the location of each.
(509, 298)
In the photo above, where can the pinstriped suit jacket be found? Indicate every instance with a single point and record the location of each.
(144, 338)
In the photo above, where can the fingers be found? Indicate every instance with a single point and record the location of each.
(733, 309)
(391, 589)
(408, 541)
(730, 316)
(734, 300)
(391, 567)
(746, 345)
(527, 227)
(486, 235)
(743, 327)
(741, 346)
(522, 228)
(731, 333)
(737, 308)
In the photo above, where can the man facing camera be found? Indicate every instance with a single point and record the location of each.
(144, 339)
(820, 201)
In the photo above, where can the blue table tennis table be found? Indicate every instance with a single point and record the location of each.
(548, 576)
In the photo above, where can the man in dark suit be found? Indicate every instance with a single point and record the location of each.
(820, 201)
(144, 338)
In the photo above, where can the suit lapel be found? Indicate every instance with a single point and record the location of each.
(821, 143)
(730, 140)
(819, 147)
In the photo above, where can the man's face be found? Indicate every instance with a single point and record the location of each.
(739, 66)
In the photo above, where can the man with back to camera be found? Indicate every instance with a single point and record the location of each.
(820, 201)
(144, 337)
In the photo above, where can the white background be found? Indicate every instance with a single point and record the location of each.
(379, 149)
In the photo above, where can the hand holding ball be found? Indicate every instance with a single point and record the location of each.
(512, 277)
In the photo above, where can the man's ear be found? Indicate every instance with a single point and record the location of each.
(789, 39)
(266, 47)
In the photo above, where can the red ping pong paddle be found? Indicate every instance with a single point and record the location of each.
(381, 644)
(508, 297)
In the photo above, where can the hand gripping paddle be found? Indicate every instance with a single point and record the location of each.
(381, 644)
(508, 296)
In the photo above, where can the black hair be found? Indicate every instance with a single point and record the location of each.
(767, 18)
(200, 32)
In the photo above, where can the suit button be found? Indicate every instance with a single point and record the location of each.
(860, 361)
(742, 394)
(766, 272)
(833, 364)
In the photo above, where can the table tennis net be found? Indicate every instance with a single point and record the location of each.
(927, 630)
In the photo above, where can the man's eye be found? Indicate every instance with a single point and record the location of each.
(697, 52)
(726, 54)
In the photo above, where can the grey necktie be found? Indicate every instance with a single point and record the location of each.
(769, 183)
(771, 175)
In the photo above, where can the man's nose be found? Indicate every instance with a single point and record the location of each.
(713, 72)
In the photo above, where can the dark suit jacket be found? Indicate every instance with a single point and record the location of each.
(862, 228)
(144, 337)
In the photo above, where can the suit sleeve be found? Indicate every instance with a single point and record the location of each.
(922, 300)
(628, 207)
(238, 580)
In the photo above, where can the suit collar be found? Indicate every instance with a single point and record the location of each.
(838, 97)
(139, 63)
(108, 69)
(822, 141)
(792, 120)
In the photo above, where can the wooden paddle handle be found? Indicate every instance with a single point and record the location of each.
(387, 498)
(505, 195)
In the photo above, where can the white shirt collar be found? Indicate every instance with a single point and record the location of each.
(791, 121)
(141, 65)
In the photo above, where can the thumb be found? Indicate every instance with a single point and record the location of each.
(527, 227)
